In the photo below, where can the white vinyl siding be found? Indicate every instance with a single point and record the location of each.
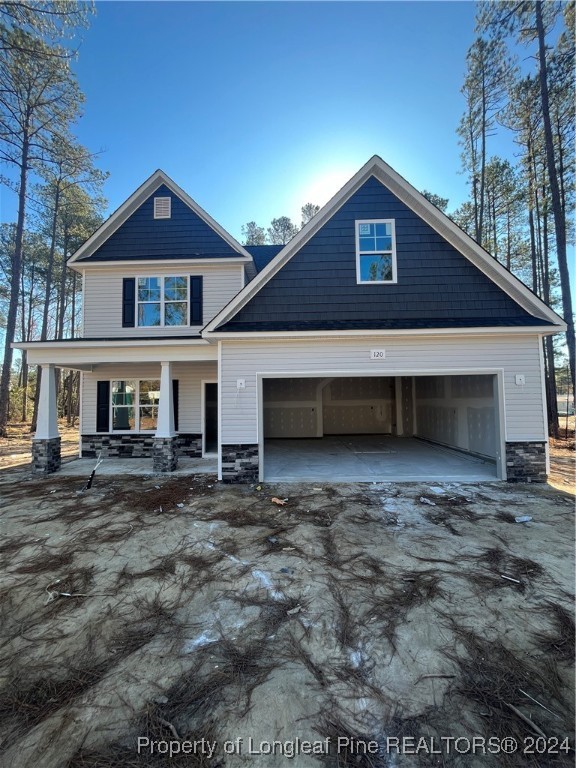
(103, 296)
(189, 376)
(524, 414)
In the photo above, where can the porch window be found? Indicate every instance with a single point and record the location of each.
(376, 251)
(134, 405)
(162, 301)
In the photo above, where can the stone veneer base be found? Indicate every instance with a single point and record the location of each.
(164, 455)
(46, 455)
(138, 446)
(240, 463)
(526, 462)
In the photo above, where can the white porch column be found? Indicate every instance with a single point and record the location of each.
(47, 421)
(165, 426)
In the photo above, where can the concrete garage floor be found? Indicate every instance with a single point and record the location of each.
(361, 458)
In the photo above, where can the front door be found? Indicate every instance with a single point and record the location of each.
(210, 417)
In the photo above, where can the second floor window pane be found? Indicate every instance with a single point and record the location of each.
(149, 314)
(162, 301)
(175, 288)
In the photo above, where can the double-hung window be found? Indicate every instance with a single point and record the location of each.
(134, 405)
(376, 251)
(162, 301)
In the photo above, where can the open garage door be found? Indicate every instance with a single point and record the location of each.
(370, 428)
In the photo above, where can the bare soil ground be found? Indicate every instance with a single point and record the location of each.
(182, 609)
(16, 446)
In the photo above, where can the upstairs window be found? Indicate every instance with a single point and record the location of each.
(162, 207)
(376, 251)
(162, 301)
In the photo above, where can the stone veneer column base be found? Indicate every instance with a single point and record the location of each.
(526, 462)
(136, 446)
(164, 454)
(46, 455)
(239, 463)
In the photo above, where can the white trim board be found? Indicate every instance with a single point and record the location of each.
(427, 212)
(156, 180)
(535, 330)
(133, 265)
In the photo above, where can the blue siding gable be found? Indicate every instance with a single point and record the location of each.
(183, 236)
(437, 286)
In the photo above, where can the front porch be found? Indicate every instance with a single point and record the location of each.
(145, 403)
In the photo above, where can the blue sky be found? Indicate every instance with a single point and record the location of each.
(257, 108)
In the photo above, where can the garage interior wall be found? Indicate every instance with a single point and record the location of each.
(457, 411)
(313, 407)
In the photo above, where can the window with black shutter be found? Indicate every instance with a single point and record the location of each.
(128, 302)
(175, 393)
(103, 406)
(196, 291)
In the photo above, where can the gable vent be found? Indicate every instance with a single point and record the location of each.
(162, 207)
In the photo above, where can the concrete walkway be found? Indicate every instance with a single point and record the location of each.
(361, 458)
(116, 466)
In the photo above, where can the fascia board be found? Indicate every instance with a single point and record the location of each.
(134, 202)
(81, 344)
(136, 263)
(422, 207)
(274, 336)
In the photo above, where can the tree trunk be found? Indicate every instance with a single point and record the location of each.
(73, 317)
(63, 276)
(24, 365)
(36, 399)
(482, 166)
(551, 394)
(49, 271)
(508, 242)
(14, 290)
(559, 221)
(47, 293)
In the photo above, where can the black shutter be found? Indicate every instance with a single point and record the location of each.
(128, 302)
(175, 402)
(103, 406)
(196, 301)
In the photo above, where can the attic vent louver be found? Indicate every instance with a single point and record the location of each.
(162, 207)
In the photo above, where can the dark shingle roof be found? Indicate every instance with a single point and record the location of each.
(377, 325)
(263, 254)
(191, 336)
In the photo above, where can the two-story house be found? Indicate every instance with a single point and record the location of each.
(380, 318)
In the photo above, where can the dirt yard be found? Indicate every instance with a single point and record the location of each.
(378, 622)
(15, 448)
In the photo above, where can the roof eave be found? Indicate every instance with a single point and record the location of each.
(534, 330)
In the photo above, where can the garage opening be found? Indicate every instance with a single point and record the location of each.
(370, 428)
